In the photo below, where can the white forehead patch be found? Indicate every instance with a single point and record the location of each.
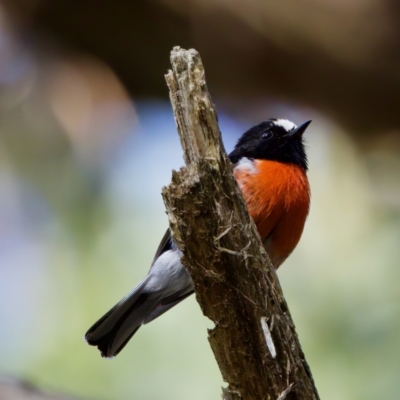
(246, 165)
(285, 124)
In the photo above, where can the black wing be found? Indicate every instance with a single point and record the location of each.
(165, 245)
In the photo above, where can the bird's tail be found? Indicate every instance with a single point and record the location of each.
(112, 331)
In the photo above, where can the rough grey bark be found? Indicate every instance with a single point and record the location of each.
(254, 340)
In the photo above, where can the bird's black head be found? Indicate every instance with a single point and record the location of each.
(275, 139)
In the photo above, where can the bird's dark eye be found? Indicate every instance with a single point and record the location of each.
(266, 135)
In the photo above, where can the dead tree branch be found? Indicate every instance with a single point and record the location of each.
(254, 340)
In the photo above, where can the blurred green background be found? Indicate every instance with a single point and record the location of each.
(87, 140)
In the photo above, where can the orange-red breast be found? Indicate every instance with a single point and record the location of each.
(270, 165)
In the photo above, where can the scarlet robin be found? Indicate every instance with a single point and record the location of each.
(270, 166)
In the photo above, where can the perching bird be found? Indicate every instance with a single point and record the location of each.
(270, 165)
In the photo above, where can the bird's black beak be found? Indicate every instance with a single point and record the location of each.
(299, 130)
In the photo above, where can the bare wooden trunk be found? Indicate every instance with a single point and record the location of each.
(254, 339)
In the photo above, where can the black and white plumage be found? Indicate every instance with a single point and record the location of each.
(168, 282)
